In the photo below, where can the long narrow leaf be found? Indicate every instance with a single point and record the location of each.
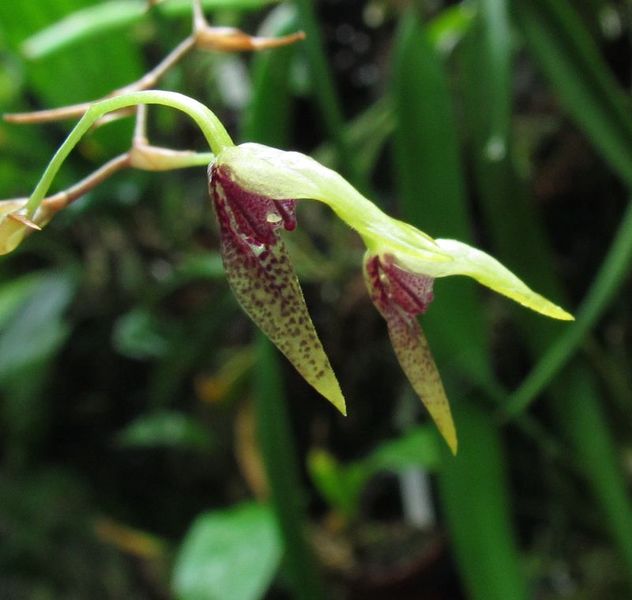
(474, 496)
(111, 16)
(279, 455)
(431, 190)
(598, 455)
(566, 53)
(431, 187)
(266, 122)
(514, 226)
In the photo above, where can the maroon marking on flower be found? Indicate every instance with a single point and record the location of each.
(255, 217)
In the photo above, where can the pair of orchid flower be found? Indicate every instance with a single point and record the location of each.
(254, 189)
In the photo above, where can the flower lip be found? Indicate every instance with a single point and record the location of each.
(397, 287)
(255, 217)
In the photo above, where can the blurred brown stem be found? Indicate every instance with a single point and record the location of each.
(60, 200)
(203, 37)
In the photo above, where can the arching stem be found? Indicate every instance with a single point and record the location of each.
(212, 129)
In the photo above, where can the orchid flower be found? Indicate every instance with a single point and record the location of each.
(254, 190)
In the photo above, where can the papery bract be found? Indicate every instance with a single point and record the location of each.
(262, 277)
(14, 226)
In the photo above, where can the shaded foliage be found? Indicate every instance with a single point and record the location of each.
(127, 371)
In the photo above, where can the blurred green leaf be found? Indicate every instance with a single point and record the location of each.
(367, 134)
(13, 293)
(567, 54)
(141, 334)
(342, 484)
(474, 495)
(598, 456)
(110, 16)
(165, 428)
(604, 287)
(104, 66)
(512, 216)
(417, 447)
(37, 328)
(494, 62)
(281, 463)
(82, 25)
(29, 341)
(447, 29)
(228, 555)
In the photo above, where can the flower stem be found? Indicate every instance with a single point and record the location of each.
(209, 124)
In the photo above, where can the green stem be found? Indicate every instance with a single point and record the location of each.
(607, 282)
(279, 456)
(209, 124)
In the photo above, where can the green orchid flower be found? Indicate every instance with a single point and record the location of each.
(254, 190)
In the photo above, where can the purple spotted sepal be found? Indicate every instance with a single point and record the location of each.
(262, 277)
(400, 296)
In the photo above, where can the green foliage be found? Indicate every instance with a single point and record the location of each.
(128, 374)
(342, 484)
(165, 429)
(39, 321)
(231, 554)
(484, 542)
(114, 15)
